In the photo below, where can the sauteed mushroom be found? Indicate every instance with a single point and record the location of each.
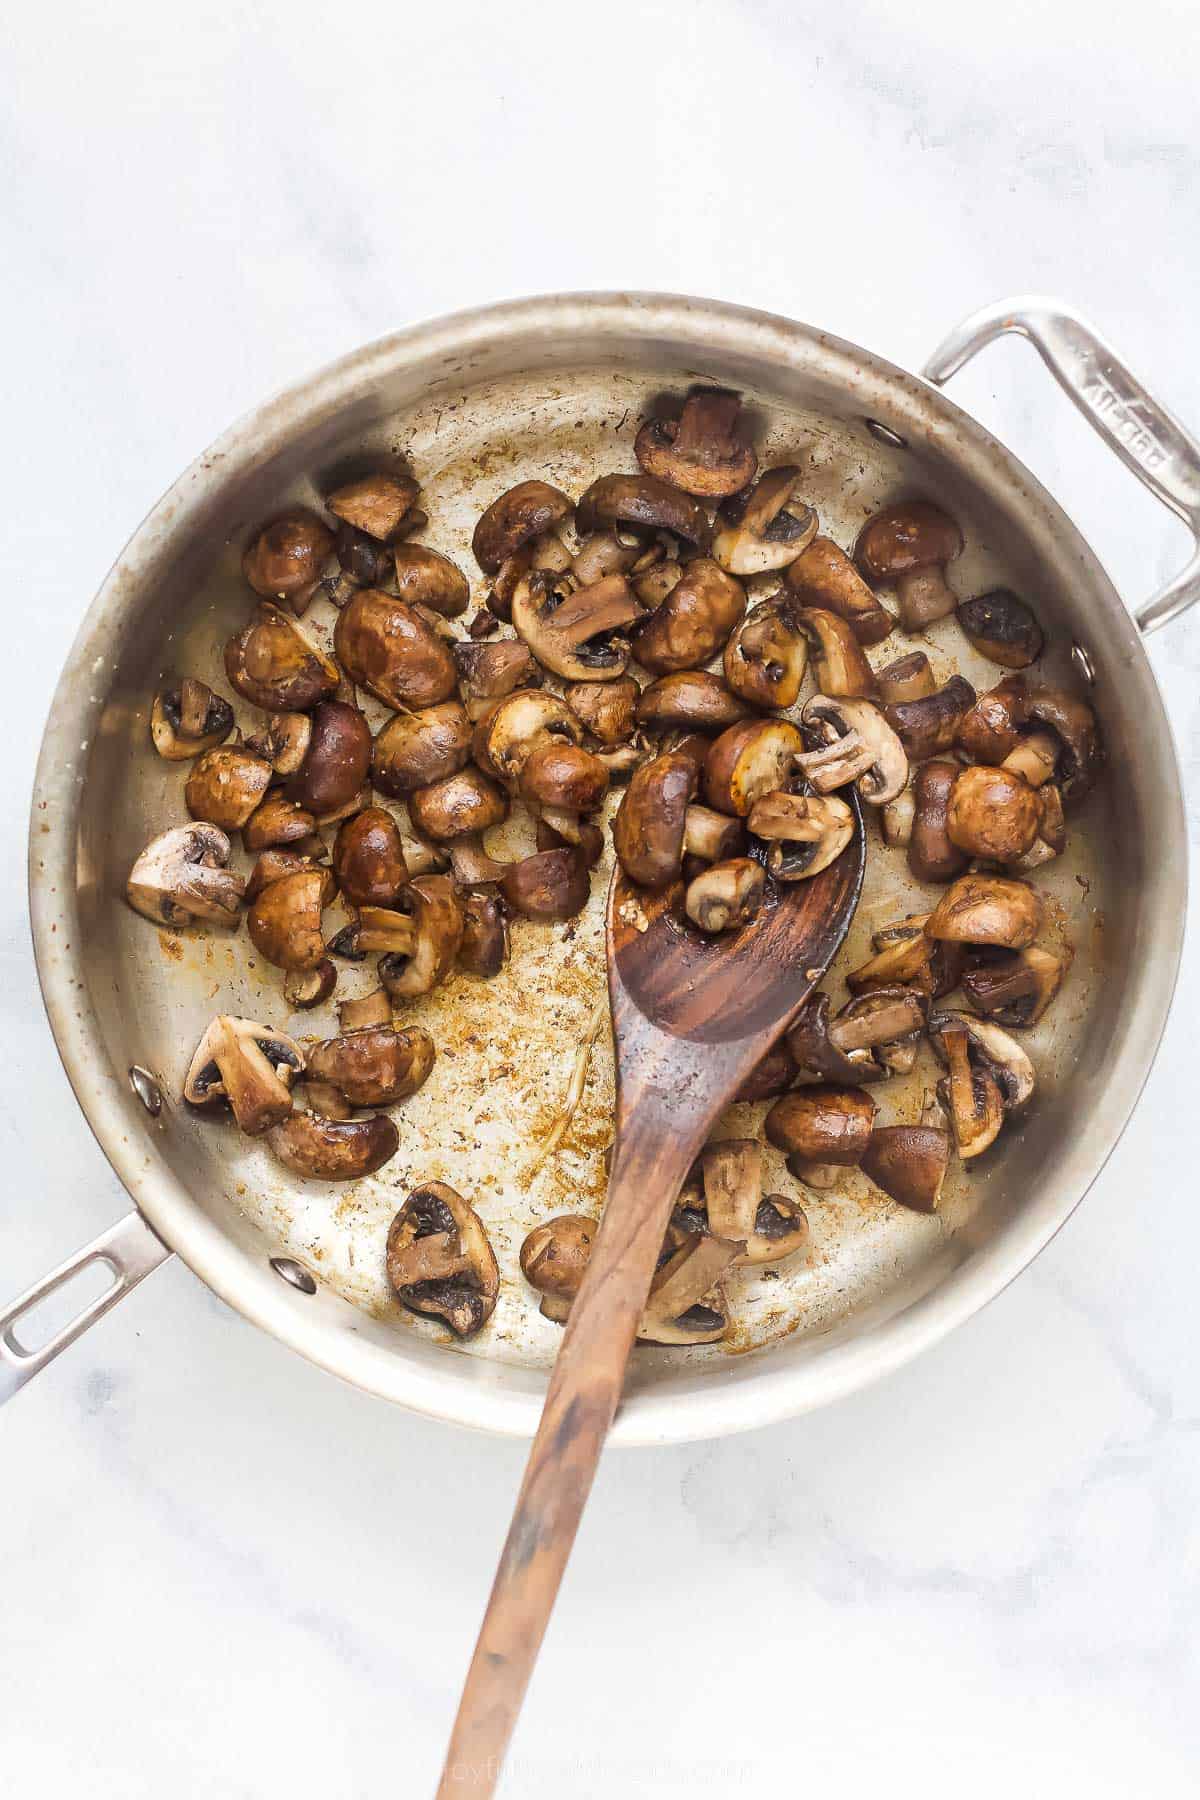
(457, 810)
(686, 1303)
(338, 759)
(437, 916)
(561, 781)
(767, 656)
(272, 865)
(840, 667)
(648, 830)
(571, 633)
(183, 874)
(757, 757)
(247, 1065)
(988, 1076)
(368, 858)
(550, 885)
(896, 818)
(1051, 839)
(726, 895)
(509, 523)
(693, 700)
(324, 1149)
(306, 988)
(284, 741)
(822, 1124)
(415, 749)
(865, 1041)
(643, 504)
(425, 577)
(1014, 988)
(605, 709)
(932, 854)
(554, 1257)
(225, 785)
(276, 821)
(909, 1162)
(904, 954)
(1074, 724)
(766, 527)
(987, 909)
(285, 920)
(806, 832)
(391, 649)
(909, 677)
(733, 1207)
(1002, 628)
(824, 577)
(515, 727)
(283, 561)
(909, 546)
(374, 1066)
(857, 745)
(692, 622)
(489, 672)
(484, 947)
(700, 451)
(992, 813)
(272, 664)
(928, 726)
(991, 729)
(188, 719)
(375, 504)
(374, 1008)
(439, 1260)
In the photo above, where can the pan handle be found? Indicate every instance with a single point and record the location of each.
(1149, 440)
(130, 1249)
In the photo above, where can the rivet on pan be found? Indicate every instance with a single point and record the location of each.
(1083, 664)
(146, 1088)
(294, 1272)
(885, 434)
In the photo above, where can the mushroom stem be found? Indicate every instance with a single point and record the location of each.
(379, 928)
(471, 865)
(710, 835)
(365, 1011)
(1035, 757)
(881, 1026)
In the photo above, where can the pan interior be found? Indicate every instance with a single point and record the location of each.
(505, 1047)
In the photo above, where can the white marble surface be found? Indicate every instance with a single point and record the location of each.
(221, 1572)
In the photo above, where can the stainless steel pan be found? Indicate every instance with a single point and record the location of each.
(477, 401)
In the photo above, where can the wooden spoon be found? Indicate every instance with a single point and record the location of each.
(691, 1018)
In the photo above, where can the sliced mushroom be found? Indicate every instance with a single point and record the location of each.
(324, 1149)
(932, 854)
(908, 546)
(550, 885)
(909, 677)
(766, 658)
(483, 951)
(605, 708)
(929, 726)
(490, 672)
(868, 1040)
(573, 633)
(1002, 628)
(701, 451)
(649, 827)
(249, 1066)
(515, 727)
(766, 527)
(731, 1206)
(183, 874)
(909, 1163)
(857, 745)
(822, 1123)
(271, 663)
(425, 577)
(692, 700)
(643, 504)
(368, 858)
(306, 988)
(437, 915)
(686, 1304)
(839, 665)
(824, 577)
(225, 785)
(283, 561)
(904, 955)
(276, 821)
(374, 1065)
(285, 920)
(1014, 988)
(991, 729)
(806, 832)
(509, 523)
(439, 1260)
(992, 814)
(725, 896)
(188, 719)
(989, 1075)
(690, 625)
(284, 741)
(987, 909)
(377, 504)
(391, 649)
(554, 1257)
(757, 757)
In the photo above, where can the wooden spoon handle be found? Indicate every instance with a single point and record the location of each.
(580, 1402)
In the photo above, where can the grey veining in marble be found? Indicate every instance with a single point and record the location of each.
(221, 1572)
